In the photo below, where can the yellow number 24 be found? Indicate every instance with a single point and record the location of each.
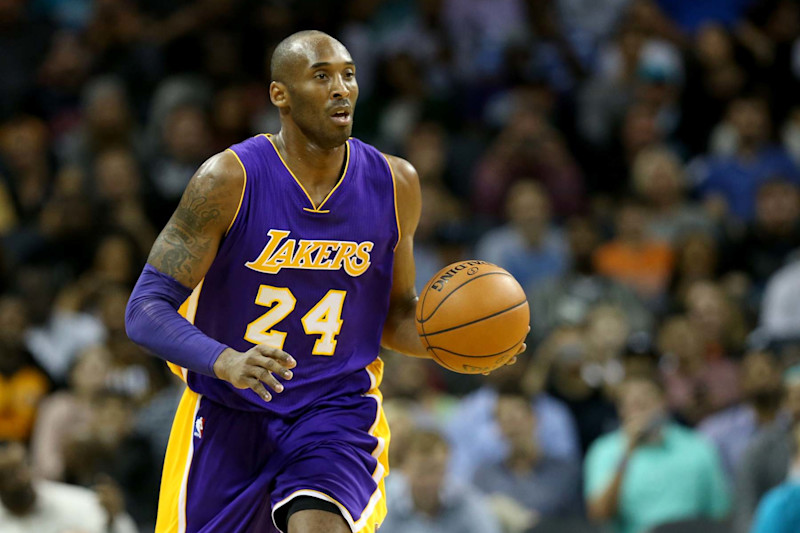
(324, 319)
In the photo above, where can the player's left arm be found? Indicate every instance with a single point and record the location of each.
(400, 331)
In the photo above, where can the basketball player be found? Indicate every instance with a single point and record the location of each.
(298, 243)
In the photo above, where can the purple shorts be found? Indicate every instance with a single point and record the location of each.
(228, 470)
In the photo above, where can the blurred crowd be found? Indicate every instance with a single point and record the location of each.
(635, 164)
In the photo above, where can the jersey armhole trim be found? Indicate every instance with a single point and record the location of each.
(394, 195)
(241, 197)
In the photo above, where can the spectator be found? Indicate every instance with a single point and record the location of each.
(117, 258)
(186, 137)
(731, 430)
(405, 100)
(28, 505)
(107, 447)
(695, 386)
(779, 510)
(780, 314)
(659, 180)
(728, 183)
(478, 32)
(421, 500)
(545, 486)
(767, 459)
(530, 247)
(772, 235)
(119, 188)
(607, 336)
(720, 322)
(476, 437)
(634, 257)
(22, 383)
(65, 410)
(697, 259)
(604, 101)
(527, 148)
(559, 367)
(108, 123)
(24, 151)
(652, 471)
(568, 299)
(714, 78)
(66, 328)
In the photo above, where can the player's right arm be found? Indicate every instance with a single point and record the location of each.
(178, 261)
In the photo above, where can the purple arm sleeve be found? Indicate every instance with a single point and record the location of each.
(151, 320)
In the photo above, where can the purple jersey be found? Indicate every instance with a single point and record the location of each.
(312, 280)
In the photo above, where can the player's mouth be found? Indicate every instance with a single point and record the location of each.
(343, 117)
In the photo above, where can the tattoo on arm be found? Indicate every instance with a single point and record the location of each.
(186, 247)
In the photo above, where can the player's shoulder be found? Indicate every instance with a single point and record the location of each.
(406, 183)
(222, 170)
(402, 169)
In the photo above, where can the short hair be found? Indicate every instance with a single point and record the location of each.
(284, 53)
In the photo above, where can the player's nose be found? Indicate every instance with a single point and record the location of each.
(339, 89)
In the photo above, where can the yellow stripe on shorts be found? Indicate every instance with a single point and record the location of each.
(175, 476)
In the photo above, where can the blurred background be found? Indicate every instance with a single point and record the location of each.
(635, 164)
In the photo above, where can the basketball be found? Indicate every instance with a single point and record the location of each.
(472, 317)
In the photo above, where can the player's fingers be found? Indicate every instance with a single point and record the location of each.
(279, 355)
(511, 361)
(267, 378)
(522, 348)
(259, 389)
(270, 365)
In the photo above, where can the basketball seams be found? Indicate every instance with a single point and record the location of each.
(422, 319)
(440, 361)
(497, 313)
(441, 349)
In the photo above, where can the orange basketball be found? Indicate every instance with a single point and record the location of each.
(472, 317)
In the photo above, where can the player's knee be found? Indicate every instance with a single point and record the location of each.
(317, 521)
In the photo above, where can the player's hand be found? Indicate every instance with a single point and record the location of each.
(522, 348)
(254, 368)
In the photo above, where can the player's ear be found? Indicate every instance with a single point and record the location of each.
(278, 94)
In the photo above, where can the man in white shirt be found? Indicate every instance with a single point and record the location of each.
(32, 506)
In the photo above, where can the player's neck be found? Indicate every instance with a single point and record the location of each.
(311, 164)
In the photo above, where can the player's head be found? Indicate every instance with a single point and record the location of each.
(314, 87)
